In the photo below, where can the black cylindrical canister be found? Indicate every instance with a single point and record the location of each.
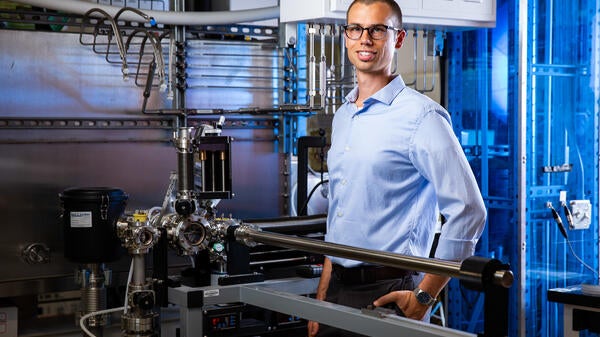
(89, 220)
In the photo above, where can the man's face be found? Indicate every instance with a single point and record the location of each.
(366, 54)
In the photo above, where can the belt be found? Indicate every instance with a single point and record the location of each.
(368, 274)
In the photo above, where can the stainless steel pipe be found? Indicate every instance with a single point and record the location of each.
(297, 224)
(249, 235)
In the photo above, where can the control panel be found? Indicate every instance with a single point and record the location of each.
(240, 319)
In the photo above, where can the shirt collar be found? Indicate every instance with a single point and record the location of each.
(385, 95)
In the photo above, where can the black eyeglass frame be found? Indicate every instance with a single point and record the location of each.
(369, 29)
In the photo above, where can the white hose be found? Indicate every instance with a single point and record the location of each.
(129, 277)
(101, 312)
(162, 17)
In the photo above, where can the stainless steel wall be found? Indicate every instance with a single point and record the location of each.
(68, 119)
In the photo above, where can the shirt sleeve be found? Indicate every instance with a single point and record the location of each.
(437, 154)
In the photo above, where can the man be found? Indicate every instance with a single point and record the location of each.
(394, 166)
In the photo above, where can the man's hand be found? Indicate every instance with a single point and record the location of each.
(313, 328)
(406, 301)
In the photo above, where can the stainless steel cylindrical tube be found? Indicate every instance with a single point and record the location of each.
(246, 233)
(291, 225)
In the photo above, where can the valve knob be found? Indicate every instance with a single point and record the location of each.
(144, 300)
(185, 207)
(36, 253)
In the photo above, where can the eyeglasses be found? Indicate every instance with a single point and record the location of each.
(376, 32)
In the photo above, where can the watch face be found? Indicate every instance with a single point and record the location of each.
(423, 297)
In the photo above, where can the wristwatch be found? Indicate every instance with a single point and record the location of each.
(423, 297)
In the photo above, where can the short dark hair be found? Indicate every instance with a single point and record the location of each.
(393, 5)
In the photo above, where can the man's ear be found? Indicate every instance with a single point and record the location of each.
(400, 39)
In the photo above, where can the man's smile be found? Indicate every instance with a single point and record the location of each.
(366, 55)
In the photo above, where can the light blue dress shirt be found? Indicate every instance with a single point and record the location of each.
(394, 166)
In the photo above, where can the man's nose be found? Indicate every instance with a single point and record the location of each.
(365, 38)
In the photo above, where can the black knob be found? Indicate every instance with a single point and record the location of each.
(144, 300)
(185, 207)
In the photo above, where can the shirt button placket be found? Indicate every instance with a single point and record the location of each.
(339, 211)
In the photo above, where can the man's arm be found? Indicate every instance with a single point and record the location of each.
(407, 301)
(324, 281)
(313, 327)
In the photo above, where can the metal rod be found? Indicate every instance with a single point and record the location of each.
(249, 235)
(312, 66)
(323, 69)
(289, 225)
(424, 60)
(203, 167)
(291, 259)
(349, 252)
(523, 124)
(139, 270)
(222, 158)
(271, 252)
(415, 64)
(212, 171)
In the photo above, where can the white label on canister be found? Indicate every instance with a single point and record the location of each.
(211, 292)
(81, 219)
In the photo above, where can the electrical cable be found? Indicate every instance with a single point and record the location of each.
(148, 87)
(563, 231)
(101, 312)
(558, 220)
(580, 160)
(581, 261)
(321, 172)
(569, 217)
(129, 277)
(568, 214)
(311, 194)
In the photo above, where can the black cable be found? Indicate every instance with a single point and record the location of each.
(322, 173)
(563, 231)
(148, 86)
(559, 222)
(310, 195)
(568, 214)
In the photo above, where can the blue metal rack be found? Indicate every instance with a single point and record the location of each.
(561, 150)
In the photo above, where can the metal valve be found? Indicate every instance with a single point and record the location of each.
(187, 235)
(136, 233)
(36, 253)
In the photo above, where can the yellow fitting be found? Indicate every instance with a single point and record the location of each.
(140, 216)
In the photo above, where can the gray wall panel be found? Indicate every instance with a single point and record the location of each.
(52, 76)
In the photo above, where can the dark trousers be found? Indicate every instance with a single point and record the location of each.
(360, 295)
